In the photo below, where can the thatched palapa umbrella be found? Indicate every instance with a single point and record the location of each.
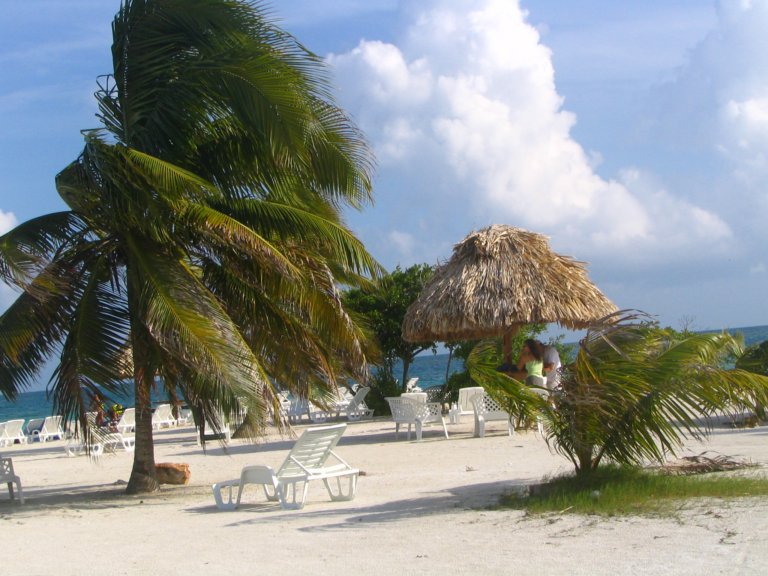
(498, 279)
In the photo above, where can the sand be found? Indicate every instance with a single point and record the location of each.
(421, 508)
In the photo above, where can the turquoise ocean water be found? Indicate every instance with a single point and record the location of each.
(430, 370)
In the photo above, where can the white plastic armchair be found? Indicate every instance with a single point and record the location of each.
(487, 410)
(415, 413)
(8, 476)
(464, 405)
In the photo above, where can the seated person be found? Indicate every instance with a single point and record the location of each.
(531, 362)
(97, 406)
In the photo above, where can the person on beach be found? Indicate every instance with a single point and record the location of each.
(97, 405)
(530, 362)
(552, 365)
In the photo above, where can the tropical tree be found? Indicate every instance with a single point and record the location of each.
(755, 359)
(203, 241)
(635, 392)
(383, 308)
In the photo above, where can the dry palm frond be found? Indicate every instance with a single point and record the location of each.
(701, 464)
(498, 278)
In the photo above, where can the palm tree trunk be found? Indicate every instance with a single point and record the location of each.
(143, 476)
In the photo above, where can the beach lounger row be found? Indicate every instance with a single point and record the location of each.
(353, 408)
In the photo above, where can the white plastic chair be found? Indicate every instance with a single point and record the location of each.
(162, 417)
(51, 429)
(414, 413)
(8, 476)
(100, 444)
(127, 422)
(488, 410)
(11, 431)
(298, 408)
(357, 408)
(306, 461)
(464, 404)
(34, 425)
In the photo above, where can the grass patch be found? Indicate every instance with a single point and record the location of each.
(614, 491)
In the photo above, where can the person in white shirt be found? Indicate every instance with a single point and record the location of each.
(551, 366)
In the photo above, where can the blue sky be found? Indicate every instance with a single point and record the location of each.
(633, 134)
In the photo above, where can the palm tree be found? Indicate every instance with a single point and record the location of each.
(634, 393)
(204, 234)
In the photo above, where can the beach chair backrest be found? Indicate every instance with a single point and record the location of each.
(6, 470)
(465, 397)
(311, 450)
(34, 425)
(14, 430)
(487, 406)
(359, 399)
(51, 425)
(403, 409)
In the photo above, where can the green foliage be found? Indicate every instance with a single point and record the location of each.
(634, 393)
(383, 308)
(204, 240)
(382, 385)
(618, 491)
(755, 359)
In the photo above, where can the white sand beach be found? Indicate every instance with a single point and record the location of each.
(421, 508)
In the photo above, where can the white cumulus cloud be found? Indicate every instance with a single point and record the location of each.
(464, 111)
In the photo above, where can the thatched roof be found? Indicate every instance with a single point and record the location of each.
(498, 278)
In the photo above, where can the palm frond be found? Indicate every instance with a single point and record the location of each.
(189, 323)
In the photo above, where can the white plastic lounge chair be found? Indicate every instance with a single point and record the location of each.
(412, 412)
(34, 425)
(487, 410)
(335, 406)
(412, 385)
(8, 476)
(75, 447)
(343, 398)
(50, 430)
(357, 408)
(298, 408)
(319, 415)
(12, 431)
(101, 444)
(127, 422)
(225, 430)
(162, 417)
(305, 462)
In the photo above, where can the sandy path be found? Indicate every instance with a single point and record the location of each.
(421, 508)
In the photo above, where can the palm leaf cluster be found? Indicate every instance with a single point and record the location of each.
(635, 393)
(204, 234)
